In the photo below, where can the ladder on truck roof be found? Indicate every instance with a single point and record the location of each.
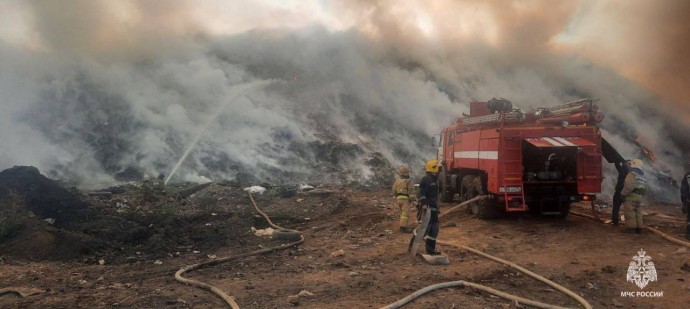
(511, 179)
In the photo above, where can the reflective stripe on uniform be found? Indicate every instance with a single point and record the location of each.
(402, 197)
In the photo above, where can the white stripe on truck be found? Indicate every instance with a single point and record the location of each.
(564, 141)
(487, 155)
(552, 141)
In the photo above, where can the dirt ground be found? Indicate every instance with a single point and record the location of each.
(371, 271)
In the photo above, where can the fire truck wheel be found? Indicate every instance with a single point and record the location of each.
(479, 209)
(446, 196)
(446, 192)
(564, 209)
(464, 185)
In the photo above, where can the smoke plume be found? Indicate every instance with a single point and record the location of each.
(97, 92)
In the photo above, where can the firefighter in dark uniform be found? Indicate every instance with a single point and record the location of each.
(428, 198)
(623, 170)
(685, 198)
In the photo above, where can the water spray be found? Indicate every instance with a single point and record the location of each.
(239, 90)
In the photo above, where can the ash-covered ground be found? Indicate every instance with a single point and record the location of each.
(120, 246)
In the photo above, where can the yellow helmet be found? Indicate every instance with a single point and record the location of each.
(433, 166)
(636, 163)
(404, 170)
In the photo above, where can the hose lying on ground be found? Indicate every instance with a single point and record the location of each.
(283, 234)
(653, 230)
(461, 283)
(525, 301)
(458, 206)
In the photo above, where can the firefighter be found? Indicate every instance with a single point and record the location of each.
(623, 169)
(633, 192)
(403, 190)
(428, 199)
(685, 198)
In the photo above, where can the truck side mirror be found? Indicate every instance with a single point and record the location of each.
(433, 140)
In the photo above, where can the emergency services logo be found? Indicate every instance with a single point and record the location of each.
(641, 270)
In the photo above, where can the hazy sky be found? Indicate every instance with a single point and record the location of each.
(643, 40)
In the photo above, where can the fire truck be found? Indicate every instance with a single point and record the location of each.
(541, 161)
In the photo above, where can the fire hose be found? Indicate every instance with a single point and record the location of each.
(651, 229)
(282, 234)
(462, 283)
(291, 234)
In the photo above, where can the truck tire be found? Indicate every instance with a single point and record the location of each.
(480, 209)
(447, 193)
(465, 184)
(564, 209)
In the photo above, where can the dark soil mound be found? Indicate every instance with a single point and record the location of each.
(74, 229)
(42, 196)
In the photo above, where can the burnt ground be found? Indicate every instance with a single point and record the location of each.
(144, 234)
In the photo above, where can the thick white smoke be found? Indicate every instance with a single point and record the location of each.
(94, 93)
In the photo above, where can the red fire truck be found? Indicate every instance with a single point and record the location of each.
(540, 161)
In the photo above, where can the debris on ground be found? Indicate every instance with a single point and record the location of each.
(255, 190)
(121, 249)
(263, 232)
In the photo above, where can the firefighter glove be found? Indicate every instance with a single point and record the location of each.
(424, 202)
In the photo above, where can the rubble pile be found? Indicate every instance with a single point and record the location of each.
(138, 221)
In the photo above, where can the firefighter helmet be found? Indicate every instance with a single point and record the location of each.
(636, 163)
(404, 170)
(433, 166)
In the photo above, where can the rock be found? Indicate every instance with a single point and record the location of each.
(616, 303)
(293, 299)
(101, 262)
(158, 262)
(305, 293)
(353, 273)
(255, 190)
(262, 232)
(337, 253)
(306, 187)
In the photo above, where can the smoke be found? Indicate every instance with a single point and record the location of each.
(101, 91)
